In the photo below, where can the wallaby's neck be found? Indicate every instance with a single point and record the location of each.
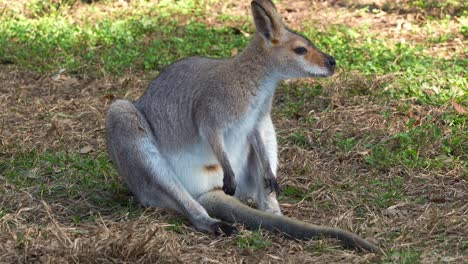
(255, 65)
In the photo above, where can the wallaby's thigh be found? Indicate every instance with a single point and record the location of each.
(148, 175)
(129, 143)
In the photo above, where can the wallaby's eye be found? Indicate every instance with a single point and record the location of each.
(300, 50)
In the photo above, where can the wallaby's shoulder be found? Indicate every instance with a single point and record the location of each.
(191, 64)
(184, 78)
(187, 73)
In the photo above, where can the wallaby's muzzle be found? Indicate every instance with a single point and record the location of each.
(330, 63)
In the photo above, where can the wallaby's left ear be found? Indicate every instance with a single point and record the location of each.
(267, 20)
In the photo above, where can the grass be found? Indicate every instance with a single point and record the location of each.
(69, 177)
(291, 193)
(50, 39)
(404, 257)
(387, 193)
(406, 147)
(379, 149)
(252, 240)
(430, 80)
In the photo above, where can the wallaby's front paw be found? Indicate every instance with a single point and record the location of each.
(229, 184)
(229, 189)
(222, 228)
(272, 184)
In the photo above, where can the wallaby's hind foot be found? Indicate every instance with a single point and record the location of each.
(213, 226)
(270, 204)
(272, 186)
(223, 228)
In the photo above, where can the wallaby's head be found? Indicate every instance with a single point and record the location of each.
(293, 54)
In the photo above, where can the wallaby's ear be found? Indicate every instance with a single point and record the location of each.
(267, 20)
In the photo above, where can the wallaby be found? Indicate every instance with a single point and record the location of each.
(204, 125)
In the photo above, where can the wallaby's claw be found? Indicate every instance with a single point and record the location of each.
(277, 188)
(229, 184)
(229, 190)
(272, 184)
(222, 228)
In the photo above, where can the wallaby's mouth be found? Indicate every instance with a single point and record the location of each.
(325, 68)
(331, 71)
(323, 73)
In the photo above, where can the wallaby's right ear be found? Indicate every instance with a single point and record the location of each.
(267, 20)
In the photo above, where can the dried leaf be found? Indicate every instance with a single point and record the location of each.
(234, 52)
(364, 152)
(109, 96)
(439, 199)
(86, 149)
(397, 206)
(429, 92)
(417, 119)
(458, 107)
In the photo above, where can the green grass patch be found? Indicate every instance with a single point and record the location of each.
(109, 47)
(403, 257)
(252, 240)
(297, 98)
(177, 225)
(299, 139)
(69, 177)
(343, 143)
(147, 37)
(431, 80)
(319, 247)
(386, 192)
(423, 146)
(441, 8)
(3, 212)
(292, 194)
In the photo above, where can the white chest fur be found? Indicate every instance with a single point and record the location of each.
(235, 136)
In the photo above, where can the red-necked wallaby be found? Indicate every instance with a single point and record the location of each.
(202, 132)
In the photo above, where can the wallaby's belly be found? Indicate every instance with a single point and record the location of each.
(198, 169)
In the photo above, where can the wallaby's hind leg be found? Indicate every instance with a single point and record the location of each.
(267, 197)
(260, 172)
(149, 176)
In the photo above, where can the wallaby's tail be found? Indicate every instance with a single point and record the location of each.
(227, 208)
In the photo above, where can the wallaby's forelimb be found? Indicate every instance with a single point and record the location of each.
(216, 142)
(231, 210)
(258, 146)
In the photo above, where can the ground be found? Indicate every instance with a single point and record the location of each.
(379, 149)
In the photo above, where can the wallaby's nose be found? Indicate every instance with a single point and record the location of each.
(331, 61)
